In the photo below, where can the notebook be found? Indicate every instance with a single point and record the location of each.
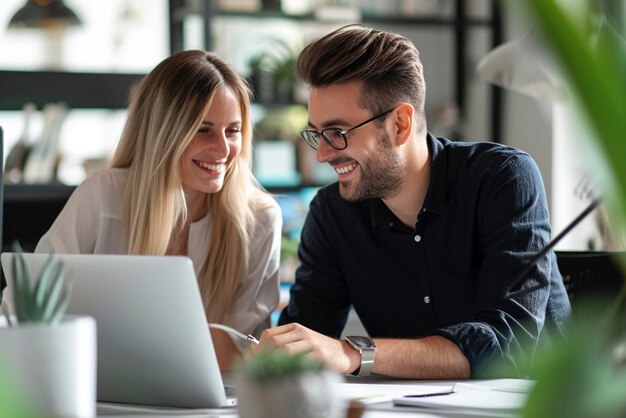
(154, 345)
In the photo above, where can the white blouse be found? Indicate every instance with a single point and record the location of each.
(91, 222)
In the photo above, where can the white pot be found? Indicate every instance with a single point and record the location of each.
(307, 395)
(52, 366)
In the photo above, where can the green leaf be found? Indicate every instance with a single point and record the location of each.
(579, 378)
(46, 300)
(52, 297)
(597, 79)
(22, 289)
(60, 307)
(44, 278)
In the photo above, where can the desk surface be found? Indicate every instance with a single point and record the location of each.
(488, 393)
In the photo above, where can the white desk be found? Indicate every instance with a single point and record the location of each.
(492, 389)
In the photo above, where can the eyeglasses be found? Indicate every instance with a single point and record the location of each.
(335, 137)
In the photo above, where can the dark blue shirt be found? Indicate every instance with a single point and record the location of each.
(484, 218)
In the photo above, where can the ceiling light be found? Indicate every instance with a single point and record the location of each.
(44, 14)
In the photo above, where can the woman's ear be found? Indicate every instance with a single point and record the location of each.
(404, 122)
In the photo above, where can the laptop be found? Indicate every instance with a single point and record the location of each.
(154, 345)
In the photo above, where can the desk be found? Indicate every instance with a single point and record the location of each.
(496, 387)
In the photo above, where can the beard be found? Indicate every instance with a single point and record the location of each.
(381, 174)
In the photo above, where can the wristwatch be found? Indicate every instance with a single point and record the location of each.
(366, 347)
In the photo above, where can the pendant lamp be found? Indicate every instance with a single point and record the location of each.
(44, 14)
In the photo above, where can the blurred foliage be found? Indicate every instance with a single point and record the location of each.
(586, 375)
(289, 248)
(12, 403)
(275, 364)
(278, 58)
(593, 56)
(283, 122)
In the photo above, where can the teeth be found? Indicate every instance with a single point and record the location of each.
(346, 169)
(214, 167)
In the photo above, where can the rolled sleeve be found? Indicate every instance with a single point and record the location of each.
(513, 228)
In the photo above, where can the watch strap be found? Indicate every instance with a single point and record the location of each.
(367, 356)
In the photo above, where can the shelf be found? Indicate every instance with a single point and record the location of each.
(422, 20)
(459, 22)
(23, 192)
(77, 90)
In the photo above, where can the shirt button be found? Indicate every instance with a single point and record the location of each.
(417, 238)
(426, 299)
(390, 224)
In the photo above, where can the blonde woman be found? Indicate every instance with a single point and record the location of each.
(181, 184)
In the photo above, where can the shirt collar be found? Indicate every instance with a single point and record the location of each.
(435, 196)
(381, 215)
(434, 200)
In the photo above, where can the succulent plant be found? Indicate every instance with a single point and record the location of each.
(274, 364)
(43, 299)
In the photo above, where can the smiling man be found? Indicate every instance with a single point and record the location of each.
(421, 235)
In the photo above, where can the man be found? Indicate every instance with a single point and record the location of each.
(423, 236)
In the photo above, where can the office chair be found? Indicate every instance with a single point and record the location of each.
(592, 279)
(1, 201)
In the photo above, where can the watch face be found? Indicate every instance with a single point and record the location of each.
(361, 342)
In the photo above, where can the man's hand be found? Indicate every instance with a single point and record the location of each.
(294, 338)
(432, 357)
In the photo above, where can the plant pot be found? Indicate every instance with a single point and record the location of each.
(306, 395)
(53, 366)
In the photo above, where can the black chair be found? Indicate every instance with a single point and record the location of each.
(592, 279)
(29, 211)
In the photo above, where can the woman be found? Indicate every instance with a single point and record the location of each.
(181, 184)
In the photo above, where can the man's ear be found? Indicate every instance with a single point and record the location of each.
(404, 115)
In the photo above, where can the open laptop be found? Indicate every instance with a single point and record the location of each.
(154, 344)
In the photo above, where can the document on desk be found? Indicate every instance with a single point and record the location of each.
(470, 398)
(375, 393)
(140, 411)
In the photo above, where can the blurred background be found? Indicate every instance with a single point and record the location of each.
(66, 67)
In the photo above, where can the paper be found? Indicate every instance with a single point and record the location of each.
(375, 393)
(119, 409)
(505, 385)
(468, 397)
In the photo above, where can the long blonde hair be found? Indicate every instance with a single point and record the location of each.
(165, 111)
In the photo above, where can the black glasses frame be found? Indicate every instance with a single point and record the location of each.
(312, 137)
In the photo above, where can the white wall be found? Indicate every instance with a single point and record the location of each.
(556, 135)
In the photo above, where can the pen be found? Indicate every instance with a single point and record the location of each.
(427, 395)
(444, 391)
(233, 332)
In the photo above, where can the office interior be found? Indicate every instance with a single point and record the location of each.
(63, 92)
(64, 89)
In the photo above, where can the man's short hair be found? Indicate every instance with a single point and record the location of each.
(386, 63)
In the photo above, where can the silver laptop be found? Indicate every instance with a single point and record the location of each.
(154, 344)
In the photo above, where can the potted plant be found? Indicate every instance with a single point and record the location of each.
(585, 376)
(46, 354)
(274, 384)
(273, 74)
